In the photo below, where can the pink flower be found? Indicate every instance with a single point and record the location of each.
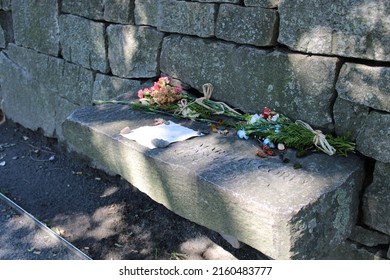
(178, 89)
(163, 80)
(140, 94)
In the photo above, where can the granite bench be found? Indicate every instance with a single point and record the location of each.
(218, 181)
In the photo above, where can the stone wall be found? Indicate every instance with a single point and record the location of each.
(322, 61)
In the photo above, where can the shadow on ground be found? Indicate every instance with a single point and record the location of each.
(102, 215)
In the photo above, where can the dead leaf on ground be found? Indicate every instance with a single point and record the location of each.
(261, 153)
(268, 150)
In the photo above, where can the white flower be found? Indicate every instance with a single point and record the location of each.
(242, 134)
(254, 118)
(275, 117)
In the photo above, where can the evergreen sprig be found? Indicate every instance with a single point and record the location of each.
(276, 130)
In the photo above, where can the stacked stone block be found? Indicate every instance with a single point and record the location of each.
(133, 50)
(83, 42)
(36, 25)
(329, 68)
(232, 69)
(351, 28)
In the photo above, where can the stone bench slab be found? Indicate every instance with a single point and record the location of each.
(219, 182)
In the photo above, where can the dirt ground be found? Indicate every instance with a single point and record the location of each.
(102, 215)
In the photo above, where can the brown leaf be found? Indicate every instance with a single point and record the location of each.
(261, 153)
(268, 150)
(213, 128)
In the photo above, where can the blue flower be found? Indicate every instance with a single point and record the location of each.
(268, 143)
(242, 134)
(254, 118)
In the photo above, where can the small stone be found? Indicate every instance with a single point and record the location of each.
(281, 147)
(160, 143)
(125, 130)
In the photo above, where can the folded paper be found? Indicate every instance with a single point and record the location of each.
(159, 135)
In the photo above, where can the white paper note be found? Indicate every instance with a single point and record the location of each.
(160, 135)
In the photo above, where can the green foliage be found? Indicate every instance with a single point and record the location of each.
(277, 130)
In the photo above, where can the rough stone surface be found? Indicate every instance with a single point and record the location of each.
(6, 30)
(5, 5)
(30, 88)
(351, 28)
(251, 79)
(216, 1)
(120, 11)
(2, 38)
(349, 250)
(349, 118)
(187, 18)
(83, 42)
(133, 51)
(146, 12)
(247, 25)
(85, 8)
(108, 87)
(368, 237)
(262, 3)
(219, 182)
(365, 85)
(30, 110)
(376, 200)
(63, 109)
(76, 82)
(374, 137)
(35, 25)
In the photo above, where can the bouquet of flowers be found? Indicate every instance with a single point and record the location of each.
(269, 127)
(160, 93)
(162, 97)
